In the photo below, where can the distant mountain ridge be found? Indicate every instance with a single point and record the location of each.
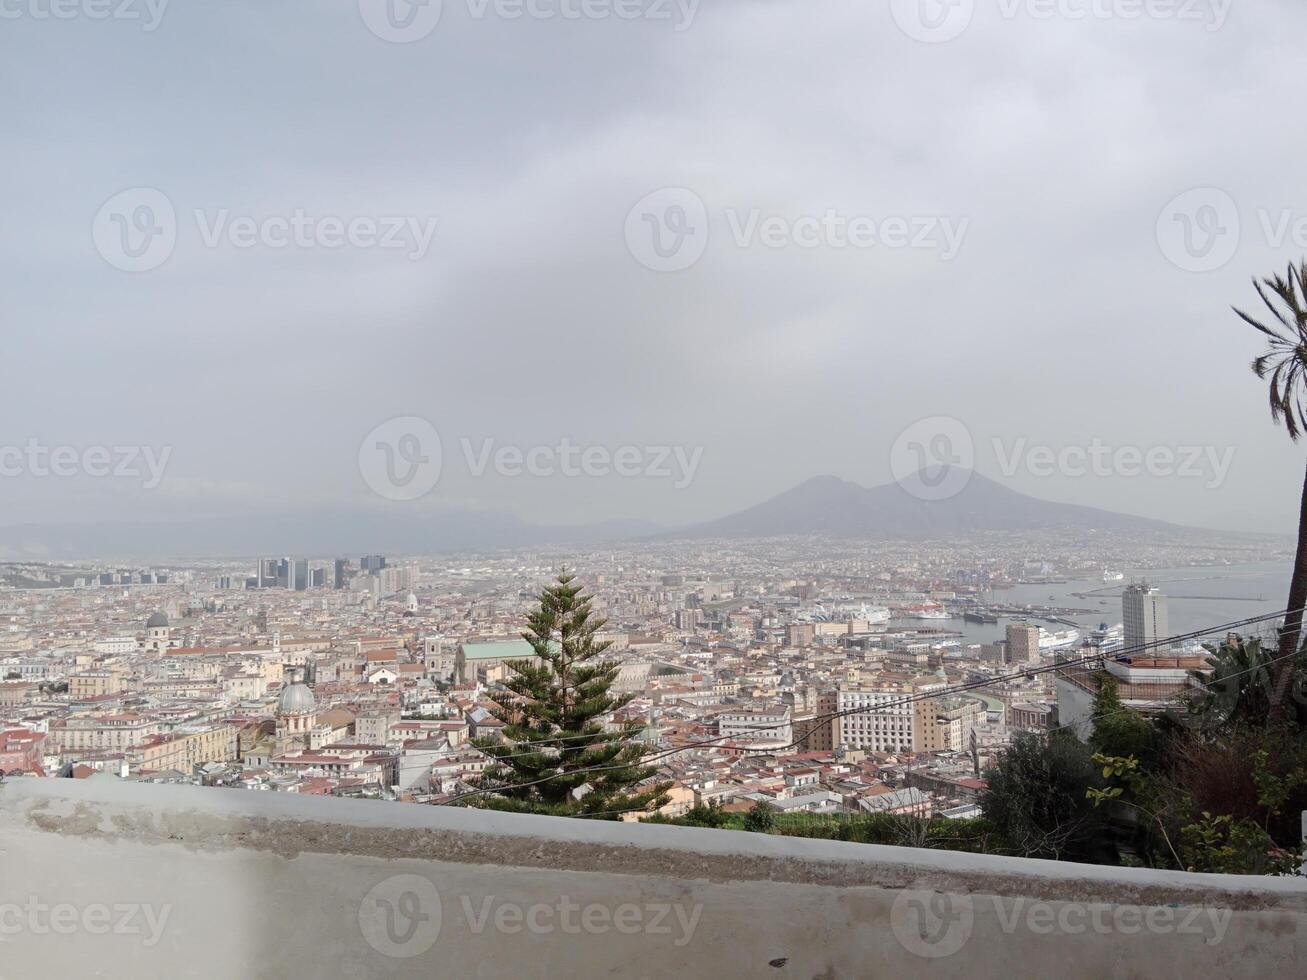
(830, 505)
(823, 505)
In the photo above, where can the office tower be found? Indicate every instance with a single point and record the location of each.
(1143, 611)
(372, 563)
(1022, 643)
(342, 573)
(265, 573)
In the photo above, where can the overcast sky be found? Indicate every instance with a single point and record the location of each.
(1049, 291)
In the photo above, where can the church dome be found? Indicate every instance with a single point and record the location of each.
(296, 699)
(156, 622)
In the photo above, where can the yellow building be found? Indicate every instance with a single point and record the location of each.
(94, 684)
(183, 750)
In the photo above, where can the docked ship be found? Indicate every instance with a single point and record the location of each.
(874, 615)
(1108, 638)
(1110, 576)
(922, 610)
(1058, 639)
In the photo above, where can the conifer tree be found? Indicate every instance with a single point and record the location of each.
(556, 756)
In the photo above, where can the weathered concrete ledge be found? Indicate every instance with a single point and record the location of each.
(242, 883)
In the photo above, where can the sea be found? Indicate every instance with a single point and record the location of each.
(1198, 598)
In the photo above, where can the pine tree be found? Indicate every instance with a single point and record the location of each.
(556, 757)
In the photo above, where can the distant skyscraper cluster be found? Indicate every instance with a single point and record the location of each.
(373, 574)
(300, 575)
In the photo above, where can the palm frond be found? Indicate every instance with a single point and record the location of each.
(1285, 361)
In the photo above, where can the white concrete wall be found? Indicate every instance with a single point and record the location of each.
(1075, 708)
(114, 879)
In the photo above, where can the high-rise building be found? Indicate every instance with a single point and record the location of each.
(266, 574)
(1022, 643)
(343, 575)
(372, 563)
(1143, 611)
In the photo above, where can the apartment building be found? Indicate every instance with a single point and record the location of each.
(94, 684)
(875, 719)
(182, 750)
(756, 725)
(112, 732)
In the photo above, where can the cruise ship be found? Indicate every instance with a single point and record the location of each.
(1109, 576)
(875, 615)
(1057, 639)
(922, 610)
(1108, 638)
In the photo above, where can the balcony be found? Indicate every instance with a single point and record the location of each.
(131, 880)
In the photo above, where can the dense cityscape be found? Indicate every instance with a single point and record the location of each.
(816, 675)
